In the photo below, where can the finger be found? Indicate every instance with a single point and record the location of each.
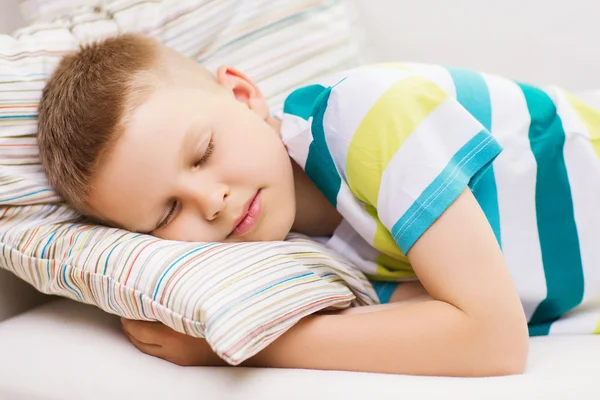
(146, 332)
(150, 349)
(162, 353)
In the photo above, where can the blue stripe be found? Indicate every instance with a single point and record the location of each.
(25, 195)
(108, 258)
(64, 274)
(473, 94)
(540, 329)
(311, 101)
(320, 167)
(473, 157)
(257, 293)
(74, 243)
(385, 290)
(25, 116)
(557, 229)
(166, 272)
(141, 300)
(43, 255)
(301, 102)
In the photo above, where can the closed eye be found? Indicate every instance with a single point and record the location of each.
(207, 153)
(171, 214)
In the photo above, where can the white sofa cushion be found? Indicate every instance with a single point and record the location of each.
(66, 350)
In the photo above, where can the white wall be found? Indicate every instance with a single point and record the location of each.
(539, 41)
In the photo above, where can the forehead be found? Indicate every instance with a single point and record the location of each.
(129, 185)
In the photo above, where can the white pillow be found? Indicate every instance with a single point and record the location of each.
(49, 10)
(241, 297)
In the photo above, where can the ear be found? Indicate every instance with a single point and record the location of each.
(244, 89)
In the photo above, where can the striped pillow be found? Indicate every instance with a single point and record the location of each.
(48, 10)
(240, 297)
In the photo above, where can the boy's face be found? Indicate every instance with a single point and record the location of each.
(199, 165)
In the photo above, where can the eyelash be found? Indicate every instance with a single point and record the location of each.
(168, 218)
(207, 153)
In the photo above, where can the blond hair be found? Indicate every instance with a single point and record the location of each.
(84, 106)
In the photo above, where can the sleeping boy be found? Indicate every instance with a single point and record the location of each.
(478, 194)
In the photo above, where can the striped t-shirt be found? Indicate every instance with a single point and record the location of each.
(392, 146)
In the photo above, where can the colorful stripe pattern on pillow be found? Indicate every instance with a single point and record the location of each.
(48, 10)
(240, 297)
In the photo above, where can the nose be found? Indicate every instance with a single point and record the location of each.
(207, 198)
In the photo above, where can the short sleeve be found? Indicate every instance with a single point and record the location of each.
(410, 148)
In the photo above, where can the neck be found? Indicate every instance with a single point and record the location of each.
(315, 215)
(274, 123)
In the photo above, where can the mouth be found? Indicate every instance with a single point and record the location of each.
(249, 217)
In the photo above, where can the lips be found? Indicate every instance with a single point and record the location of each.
(249, 217)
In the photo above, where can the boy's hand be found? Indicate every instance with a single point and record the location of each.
(158, 340)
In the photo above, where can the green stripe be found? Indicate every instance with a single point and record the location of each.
(473, 94)
(475, 155)
(540, 329)
(301, 102)
(557, 229)
(307, 102)
(320, 167)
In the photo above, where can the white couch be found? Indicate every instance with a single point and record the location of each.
(59, 349)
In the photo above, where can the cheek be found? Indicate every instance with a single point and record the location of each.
(255, 155)
(187, 227)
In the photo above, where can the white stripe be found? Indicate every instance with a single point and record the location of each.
(356, 215)
(515, 171)
(435, 73)
(583, 319)
(349, 103)
(23, 91)
(296, 136)
(583, 169)
(295, 133)
(350, 244)
(422, 157)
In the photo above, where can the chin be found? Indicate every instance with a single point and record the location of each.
(274, 237)
(274, 234)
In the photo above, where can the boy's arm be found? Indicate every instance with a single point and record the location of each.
(474, 326)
